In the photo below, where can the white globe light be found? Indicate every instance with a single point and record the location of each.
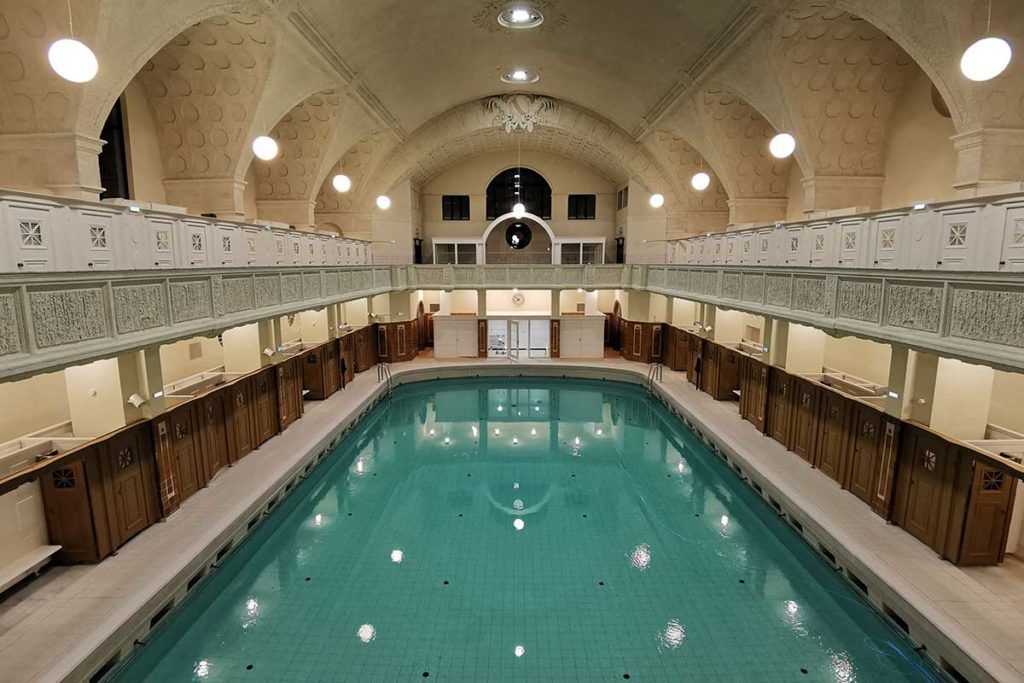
(700, 181)
(383, 202)
(782, 145)
(986, 59)
(657, 201)
(72, 60)
(265, 147)
(519, 210)
(520, 15)
(341, 182)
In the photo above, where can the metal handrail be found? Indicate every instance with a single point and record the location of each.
(654, 373)
(384, 373)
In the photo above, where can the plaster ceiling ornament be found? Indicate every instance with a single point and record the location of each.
(513, 112)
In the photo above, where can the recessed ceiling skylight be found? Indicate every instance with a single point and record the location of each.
(520, 76)
(520, 16)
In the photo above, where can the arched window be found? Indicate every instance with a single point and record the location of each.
(523, 183)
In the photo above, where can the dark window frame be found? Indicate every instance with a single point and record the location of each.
(582, 207)
(534, 191)
(455, 207)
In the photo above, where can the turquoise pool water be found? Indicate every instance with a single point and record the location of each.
(524, 530)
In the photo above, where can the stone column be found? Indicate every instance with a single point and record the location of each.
(778, 342)
(763, 210)
(296, 212)
(63, 164)
(822, 193)
(220, 196)
(988, 157)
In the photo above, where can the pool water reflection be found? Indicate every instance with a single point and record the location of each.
(495, 529)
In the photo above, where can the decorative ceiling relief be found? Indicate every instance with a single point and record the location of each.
(740, 136)
(303, 135)
(842, 77)
(204, 88)
(515, 112)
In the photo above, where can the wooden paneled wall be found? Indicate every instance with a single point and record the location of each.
(940, 490)
(103, 493)
(642, 342)
(397, 342)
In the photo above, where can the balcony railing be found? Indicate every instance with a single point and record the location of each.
(980, 235)
(49, 234)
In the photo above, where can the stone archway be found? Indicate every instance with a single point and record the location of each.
(540, 250)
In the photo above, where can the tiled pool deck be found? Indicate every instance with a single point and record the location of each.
(63, 625)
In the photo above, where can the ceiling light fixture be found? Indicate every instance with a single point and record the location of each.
(520, 16)
(520, 76)
(657, 200)
(782, 145)
(383, 202)
(71, 59)
(264, 147)
(700, 179)
(987, 57)
(519, 209)
(341, 182)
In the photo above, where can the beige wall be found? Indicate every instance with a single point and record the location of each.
(684, 312)
(537, 302)
(249, 195)
(94, 397)
(795, 193)
(31, 404)
(146, 169)
(1007, 408)
(920, 161)
(472, 176)
(176, 359)
(731, 326)
(962, 397)
(242, 348)
(314, 326)
(805, 349)
(458, 301)
(354, 312)
(860, 357)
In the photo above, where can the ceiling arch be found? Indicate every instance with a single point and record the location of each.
(539, 123)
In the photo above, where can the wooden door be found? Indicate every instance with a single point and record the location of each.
(213, 426)
(348, 358)
(241, 421)
(185, 455)
(481, 339)
(865, 438)
(313, 374)
(265, 406)
(754, 393)
(332, 369)
(289, 392)
(127, 465)
(805, 419)
(695, 365)
(728, 374)
(928, 467)
(834, 429)
(69, 518)
(988, 516)
(556, 339)
(709, 369)
(780, 406)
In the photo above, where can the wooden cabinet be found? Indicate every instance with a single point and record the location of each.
(720, 375)
(781, 405)
(987, 520)
(804, 437)
(754, 392)
(676, 355)
(240, 420)
(101, 496)
(179, 455)
(320, 371)
(833, 434)
(129, 475)
(871, 470)
(347, 359)
(213, 429)
(265, 404)
(289, 392)
(365, 340)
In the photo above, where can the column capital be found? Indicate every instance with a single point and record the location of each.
(822, 193)
(988, 157)
(220, 196)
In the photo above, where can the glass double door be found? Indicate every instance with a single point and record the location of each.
(518, 338)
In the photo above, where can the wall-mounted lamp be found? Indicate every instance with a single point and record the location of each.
(268, 352)
(136, 400)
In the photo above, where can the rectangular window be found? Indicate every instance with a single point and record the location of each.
(592, 253)
(465, 254)
(454, 253)
(455, 207)
(623, 198)
(571, 254)
(582, 207)
(445, 254)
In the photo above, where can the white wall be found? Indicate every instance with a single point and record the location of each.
(962, 398)
(31, 404)
(805, 350)
(177, 361)
(94, 397)
(537, 302)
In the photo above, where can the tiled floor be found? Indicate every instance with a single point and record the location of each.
(51, 626)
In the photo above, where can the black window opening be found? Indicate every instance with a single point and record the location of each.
(582, 207)
(623, 198)
(114, 156)
(519, 184)
(455, 207)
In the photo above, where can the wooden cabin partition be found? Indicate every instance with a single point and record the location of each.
(101, 496)
(240, 418)
(675, 348)
(556, 339)
(804, 432)
(641, 342)
(178, 447)
(320, 371)
(754, 392)
(397, 342)
(720, 375)
(695, 365)
(833, 434)
(365, 340)
(347, 358)
(481, 339)
(289, 391)
(874, 444)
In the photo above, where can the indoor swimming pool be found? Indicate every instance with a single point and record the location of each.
(524, 529)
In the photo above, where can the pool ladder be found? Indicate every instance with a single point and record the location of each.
(384, 375)
(654, 375)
